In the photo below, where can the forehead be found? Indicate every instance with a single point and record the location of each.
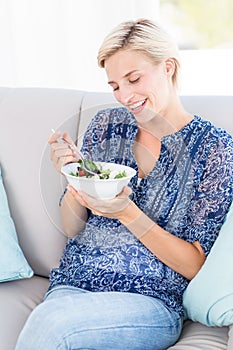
(124, 61)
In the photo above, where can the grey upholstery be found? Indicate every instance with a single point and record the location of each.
(34, 187)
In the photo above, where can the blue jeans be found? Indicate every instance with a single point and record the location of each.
(73, 318)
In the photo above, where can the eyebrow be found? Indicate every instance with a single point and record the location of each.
(125, 76)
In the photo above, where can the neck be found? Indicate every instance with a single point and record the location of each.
(168, 121)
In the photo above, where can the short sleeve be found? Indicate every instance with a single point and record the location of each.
(213, 195)
(95, 136)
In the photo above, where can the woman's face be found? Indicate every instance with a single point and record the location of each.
(141, 86)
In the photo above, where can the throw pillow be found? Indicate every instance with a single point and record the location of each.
(209, 296)
(13, 264)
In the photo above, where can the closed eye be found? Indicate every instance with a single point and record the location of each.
(134, 80)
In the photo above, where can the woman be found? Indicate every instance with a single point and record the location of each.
(124, 270)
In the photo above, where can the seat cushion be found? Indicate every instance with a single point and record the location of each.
(230, 339)
(17, 300)
(196, 336)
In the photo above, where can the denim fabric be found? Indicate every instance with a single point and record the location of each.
(72, 318)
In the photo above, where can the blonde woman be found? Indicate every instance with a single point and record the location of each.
(128, 261)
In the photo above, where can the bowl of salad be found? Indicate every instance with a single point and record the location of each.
(105, 180)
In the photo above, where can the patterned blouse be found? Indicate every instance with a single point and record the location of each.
(188, 193)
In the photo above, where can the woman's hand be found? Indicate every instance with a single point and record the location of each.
(111, 208)
(60, 152)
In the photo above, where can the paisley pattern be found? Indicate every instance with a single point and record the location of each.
(188, 193)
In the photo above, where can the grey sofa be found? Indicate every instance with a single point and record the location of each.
(34, 187)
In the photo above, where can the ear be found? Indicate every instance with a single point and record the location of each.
(170, 66)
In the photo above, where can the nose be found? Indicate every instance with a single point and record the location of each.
(125, 95)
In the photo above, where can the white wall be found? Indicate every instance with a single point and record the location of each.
(54, 43)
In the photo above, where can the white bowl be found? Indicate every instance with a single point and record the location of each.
(99, 188)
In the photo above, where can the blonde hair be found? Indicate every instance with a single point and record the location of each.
(143, 36)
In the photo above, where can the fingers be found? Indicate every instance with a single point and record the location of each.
(54, 137)
(60, 155)
(60, 152)
(68, 139)
(126, 192)
(109, 208)
(78, 196)
(77, 153)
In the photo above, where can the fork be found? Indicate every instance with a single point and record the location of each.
(77, 153)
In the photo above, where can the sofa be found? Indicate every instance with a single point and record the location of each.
(33, 188)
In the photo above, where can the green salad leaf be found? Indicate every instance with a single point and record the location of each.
(96, 168)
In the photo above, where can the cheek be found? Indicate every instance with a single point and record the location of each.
(158, 96)
(160, 88)
(116, 95)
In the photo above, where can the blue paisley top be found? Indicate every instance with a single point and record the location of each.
(188, 193)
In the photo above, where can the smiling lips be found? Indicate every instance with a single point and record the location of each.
(137, 107)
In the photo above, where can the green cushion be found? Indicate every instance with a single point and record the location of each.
(13, 264)
(209, 296)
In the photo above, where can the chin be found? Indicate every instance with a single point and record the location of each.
(145, 116)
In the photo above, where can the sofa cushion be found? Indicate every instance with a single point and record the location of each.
(196, 336)
(13, 264)
(230, 338)
(209, 296)
(17, 300)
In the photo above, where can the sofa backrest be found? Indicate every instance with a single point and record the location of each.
(33, 186)
(218, 109)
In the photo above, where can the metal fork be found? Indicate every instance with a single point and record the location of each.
(78, 154)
